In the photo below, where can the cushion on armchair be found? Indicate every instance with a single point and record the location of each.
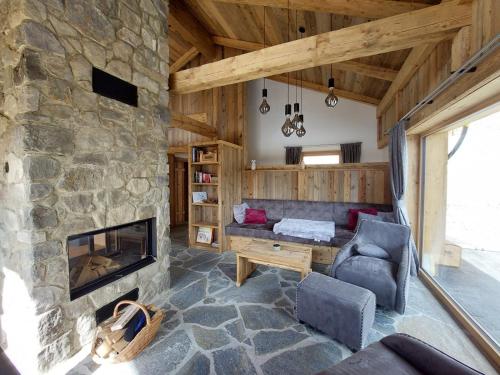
(377, 275)
(371, 250)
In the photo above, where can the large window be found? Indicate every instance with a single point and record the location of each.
(460, 232)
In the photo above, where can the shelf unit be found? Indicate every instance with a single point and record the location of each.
(225, 192)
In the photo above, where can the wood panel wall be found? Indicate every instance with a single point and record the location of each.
(363, 183)
(223, 107)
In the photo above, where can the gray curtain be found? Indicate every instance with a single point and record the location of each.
(398, 163)
(351, 152)
(293, 155)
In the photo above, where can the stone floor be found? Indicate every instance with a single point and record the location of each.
(212, 327)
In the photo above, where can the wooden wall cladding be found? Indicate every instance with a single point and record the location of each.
(435, 69)
(364, 183)
(223, 107)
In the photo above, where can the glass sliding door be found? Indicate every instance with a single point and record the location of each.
(460, 232)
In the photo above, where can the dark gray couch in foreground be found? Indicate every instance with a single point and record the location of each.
(387, 278)
(400, 354)
(279, 209)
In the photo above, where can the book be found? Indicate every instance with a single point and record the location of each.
(199, 196)
(128, 313)
(204, 235)
(206, 178)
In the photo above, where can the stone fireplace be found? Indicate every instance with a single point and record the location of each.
(103, 256)
(74, 162)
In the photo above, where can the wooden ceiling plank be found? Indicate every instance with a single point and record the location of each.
(322, 88)
(386, 74)
(184, 122)
(389, 34)
(181, 62)
(190, 29)
(357, 8)
(215, 13)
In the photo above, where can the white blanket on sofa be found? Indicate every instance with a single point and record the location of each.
(311, 229)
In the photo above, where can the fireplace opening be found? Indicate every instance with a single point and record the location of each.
(100, 257)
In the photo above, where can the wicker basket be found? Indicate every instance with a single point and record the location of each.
(140, 341)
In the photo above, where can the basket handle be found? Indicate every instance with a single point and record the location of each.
(127, 302)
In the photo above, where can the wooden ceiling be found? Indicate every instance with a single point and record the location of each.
(246, 23)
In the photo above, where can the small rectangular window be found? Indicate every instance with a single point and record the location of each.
(321, 158)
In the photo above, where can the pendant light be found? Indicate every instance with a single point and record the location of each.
(287, 129)
(331, 100)
(301, 130)
(264, 107)
(296, 106)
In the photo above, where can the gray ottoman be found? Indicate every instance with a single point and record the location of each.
(343, 311)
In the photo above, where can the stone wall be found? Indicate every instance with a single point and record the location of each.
(76, 161)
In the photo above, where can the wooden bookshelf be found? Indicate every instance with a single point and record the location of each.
(222, 195)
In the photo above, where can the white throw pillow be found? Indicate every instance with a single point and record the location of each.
(239, 212)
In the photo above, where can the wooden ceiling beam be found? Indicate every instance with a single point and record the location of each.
(181, 62)
(372, 9)
(184, 122)
(190, 29)
(381, 36)
(373, 71)
(322, 88)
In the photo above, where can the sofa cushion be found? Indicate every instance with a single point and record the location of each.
(375, 274)
(353, 213)
(321, 211)
(255, 216)
(239, 212)
(265, 231)
(273, 207)
(340, 210)
(252, 230)
(343, 232)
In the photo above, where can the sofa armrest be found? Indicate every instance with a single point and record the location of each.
(425, 357)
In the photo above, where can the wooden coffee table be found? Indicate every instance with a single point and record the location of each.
(290, 257)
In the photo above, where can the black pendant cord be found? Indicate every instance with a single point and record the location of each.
(296, 37)
(331, 29)
(288, 36)
(264, 40)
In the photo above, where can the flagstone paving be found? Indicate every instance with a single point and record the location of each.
(213, 327)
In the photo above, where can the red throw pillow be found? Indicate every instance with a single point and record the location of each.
(255, 216)
(352, 216)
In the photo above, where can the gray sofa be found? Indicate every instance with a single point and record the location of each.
(400, 354)
(323, 211)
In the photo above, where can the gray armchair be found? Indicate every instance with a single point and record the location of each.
(378, 259)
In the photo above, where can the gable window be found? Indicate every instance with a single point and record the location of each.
(321, 157)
